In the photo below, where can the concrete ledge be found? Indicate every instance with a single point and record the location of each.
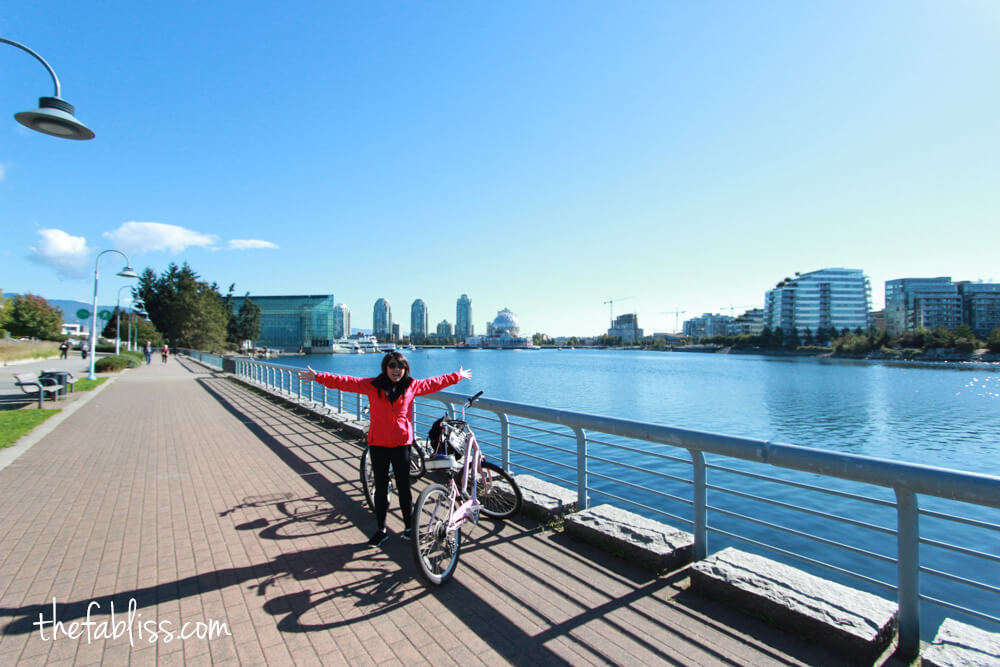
(960, 645)
(543, 500)
(845, 619)
(649, 543)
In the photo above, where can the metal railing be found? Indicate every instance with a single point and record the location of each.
(664, 471)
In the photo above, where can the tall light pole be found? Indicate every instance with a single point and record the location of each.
(54, 115)
(126, 272)
(135, 311)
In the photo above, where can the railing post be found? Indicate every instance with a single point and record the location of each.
(908, 565)
(700, 500)
(582, 499)
(357, 410)
(504, 440)
(340, 401)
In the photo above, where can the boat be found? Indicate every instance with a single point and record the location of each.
(346, 346)
(387, 347)
(368, 344)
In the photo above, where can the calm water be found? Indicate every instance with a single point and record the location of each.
(941, 415)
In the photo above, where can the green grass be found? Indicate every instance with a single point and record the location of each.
(83, 384)
(17, 423)
(12, 350)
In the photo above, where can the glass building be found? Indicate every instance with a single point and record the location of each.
(418, 320)
(980, 306)
(911, 303)
(829, 298)
(463, 318)
(382, 320)
(288, 323)
(341, 321)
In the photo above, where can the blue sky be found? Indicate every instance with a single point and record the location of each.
(541, 156)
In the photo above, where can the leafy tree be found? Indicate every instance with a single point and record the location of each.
(6, 305)
(32, 315)
(993, 340)
(247, 322)
(940, 337)
(807, 336)
(791, 341)
(190, 312)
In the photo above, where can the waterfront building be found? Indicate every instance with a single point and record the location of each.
(980, 306)
(288, 323)
(341, 321)
(749, 323)
(382, 320)
(912, 303)
(626, 327)
(829, 298)
(395, 331)
(418, 320)
(709, 324)
(463, 318)
(444, 328)
(502, 333)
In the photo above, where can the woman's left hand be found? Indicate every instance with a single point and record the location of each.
(465, 373)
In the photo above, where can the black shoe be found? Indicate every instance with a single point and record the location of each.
(408, 534)
(377, 538)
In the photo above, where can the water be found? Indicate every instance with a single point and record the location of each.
(932, 414)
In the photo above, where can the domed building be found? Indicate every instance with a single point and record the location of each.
(502, 332)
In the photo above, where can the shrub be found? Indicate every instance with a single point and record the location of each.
(115, 363)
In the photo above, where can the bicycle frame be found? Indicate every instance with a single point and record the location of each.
(468, 510)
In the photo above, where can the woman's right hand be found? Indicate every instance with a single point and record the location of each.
(307, 375)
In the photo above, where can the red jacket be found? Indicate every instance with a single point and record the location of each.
(389, 424)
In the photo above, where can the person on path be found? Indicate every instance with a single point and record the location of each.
(84, 349)
(390, 430)
(164, 352)
(147, 349)
(64, 350)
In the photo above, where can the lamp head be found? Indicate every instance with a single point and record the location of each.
(54, 116)
(128, 272)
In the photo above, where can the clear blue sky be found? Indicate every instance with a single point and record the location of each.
(541, 156)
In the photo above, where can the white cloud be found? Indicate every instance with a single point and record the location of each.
(151, 236)
(67, 254)
(251, 244)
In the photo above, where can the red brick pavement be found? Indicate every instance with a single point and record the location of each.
(196, 500)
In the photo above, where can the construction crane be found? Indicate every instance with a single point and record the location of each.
(732, 308)
(611, 305)
(676, 314)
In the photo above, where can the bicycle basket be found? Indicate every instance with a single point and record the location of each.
(449, 436)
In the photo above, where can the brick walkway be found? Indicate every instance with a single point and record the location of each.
(195, 500)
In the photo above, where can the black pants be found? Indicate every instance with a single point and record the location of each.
(399, 457)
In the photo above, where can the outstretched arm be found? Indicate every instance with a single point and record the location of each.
(465, 373)
(307, 375)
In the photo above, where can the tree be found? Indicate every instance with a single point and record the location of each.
(993, 340)
(6, 306)
(32, 315)
(190, 312)
(248, 321)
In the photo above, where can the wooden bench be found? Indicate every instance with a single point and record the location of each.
(30, 383)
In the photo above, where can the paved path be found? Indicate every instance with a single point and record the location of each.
(192, 499)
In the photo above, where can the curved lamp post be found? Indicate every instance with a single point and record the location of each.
(126, 272)
(54, 115)
(135, 311)
(118, 319)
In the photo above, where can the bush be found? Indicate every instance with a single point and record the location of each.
(115, 363)
(993, 342)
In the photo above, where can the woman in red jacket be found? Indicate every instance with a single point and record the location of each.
(390, 431)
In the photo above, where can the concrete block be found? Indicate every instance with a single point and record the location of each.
(960, 645)
(544, 500)
(649, 543)
(848, 620)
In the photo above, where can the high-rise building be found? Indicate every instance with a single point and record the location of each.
(626, 327)
(912, 303)
(294, 321)
(463, 318)
(709, 324)
(828, 298)
(382, 320)
(444, 328)
(980, 306)
(341, 321)
(418, 320)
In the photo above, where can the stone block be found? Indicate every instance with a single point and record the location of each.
(850, 621)
(544, 500)
(648, 543)
(960, 645)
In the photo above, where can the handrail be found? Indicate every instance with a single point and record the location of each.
(906, 480)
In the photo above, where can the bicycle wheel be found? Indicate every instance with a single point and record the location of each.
(417, 468)
(435, 548)
(368, 480)
(499, 494)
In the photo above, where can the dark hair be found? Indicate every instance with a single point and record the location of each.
(393, 390)
(399, 359)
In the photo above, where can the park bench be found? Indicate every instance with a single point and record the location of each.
(30, 383)
(64, 378)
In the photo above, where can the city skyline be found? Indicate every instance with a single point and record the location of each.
(674, 158)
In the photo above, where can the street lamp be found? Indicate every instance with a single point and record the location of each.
(54, 115)
(126, 272)
(135, 311)
(118, 319)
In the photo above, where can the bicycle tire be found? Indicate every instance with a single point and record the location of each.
(417, 467)
(435, 548)
(499, 494)
(368, 480)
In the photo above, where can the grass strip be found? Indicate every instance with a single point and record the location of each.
(16, 423)
(83, 384)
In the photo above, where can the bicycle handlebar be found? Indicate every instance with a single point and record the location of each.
(472, 399)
